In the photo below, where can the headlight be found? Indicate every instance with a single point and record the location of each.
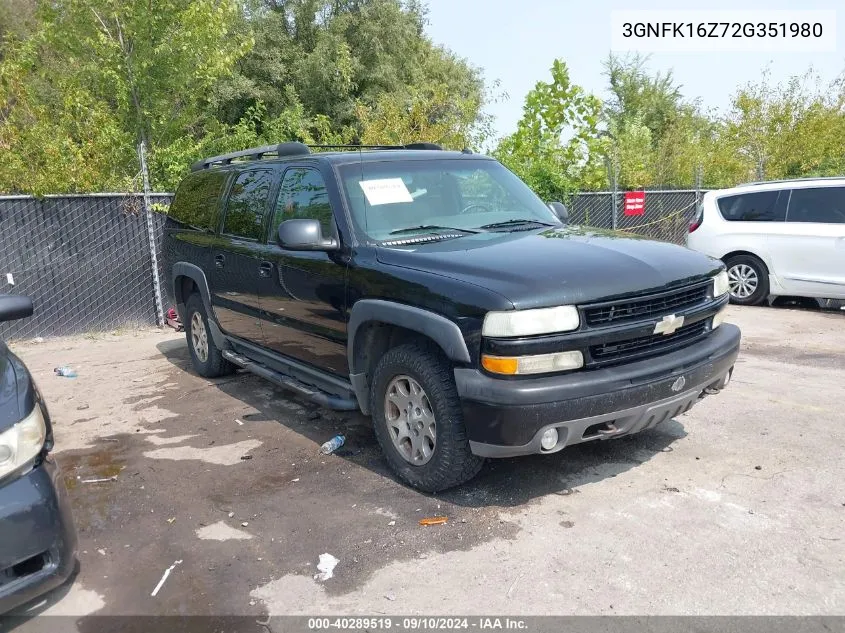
(530, 322)
(22, 442)
(539, 364)
(720, 284)
(719, 318)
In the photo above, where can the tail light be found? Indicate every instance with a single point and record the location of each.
(699, 218)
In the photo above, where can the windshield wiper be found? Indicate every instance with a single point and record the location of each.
(515, 222)
(430, 227)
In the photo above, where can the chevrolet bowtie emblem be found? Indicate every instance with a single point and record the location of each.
(668, 324)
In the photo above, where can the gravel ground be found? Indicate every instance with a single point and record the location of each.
(736, 507)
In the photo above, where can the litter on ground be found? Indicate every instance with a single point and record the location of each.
(164, 577)
(325, 567)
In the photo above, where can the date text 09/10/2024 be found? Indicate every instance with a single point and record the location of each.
(420, 623)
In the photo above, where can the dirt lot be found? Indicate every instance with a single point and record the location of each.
(736, 507)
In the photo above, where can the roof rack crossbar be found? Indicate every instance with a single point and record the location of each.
(255, 153)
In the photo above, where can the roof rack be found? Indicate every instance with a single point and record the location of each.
(295, 149)
(431, 146)
(773, 182)
(254, 153)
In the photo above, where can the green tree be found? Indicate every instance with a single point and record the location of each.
(105, 74)
(786, 130)
(651, 100)
(555, 148)
(17, 19)
(334, 56)
(69, 141)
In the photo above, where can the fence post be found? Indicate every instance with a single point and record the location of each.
(699, 177)
(148, 212)
(614, 197)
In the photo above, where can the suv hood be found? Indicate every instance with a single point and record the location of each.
(568, 265)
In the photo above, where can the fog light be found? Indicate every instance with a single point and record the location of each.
(549, 439)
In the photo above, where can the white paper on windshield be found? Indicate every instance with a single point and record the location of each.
(385, 191)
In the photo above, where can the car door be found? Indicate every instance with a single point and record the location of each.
(236, 255)
(303, 302)
(809, 253)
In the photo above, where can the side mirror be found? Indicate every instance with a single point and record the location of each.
(304, 235)
(560, 211)
(14, 307)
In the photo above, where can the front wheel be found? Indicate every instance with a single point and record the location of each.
(418, 419)
(748, 280)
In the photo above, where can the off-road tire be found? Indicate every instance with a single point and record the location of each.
(452, 463)
(215, 365)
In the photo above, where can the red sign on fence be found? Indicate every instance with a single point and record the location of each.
(634, 203)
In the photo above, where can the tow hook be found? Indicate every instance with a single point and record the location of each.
(610, 429)
(716, 387)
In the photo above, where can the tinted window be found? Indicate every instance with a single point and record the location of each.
(196, 199)
(303, 195)
(823, 204)
(763, 206)
(247, 204)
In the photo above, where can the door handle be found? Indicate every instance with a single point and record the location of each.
(265, 269)
(219, 261)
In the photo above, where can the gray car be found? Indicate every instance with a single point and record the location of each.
(37, 536)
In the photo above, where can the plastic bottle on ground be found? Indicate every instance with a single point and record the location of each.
(65, 371)
(332, 445)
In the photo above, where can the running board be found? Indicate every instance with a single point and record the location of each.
(314, 394)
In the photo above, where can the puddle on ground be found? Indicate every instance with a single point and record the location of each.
(101, 462)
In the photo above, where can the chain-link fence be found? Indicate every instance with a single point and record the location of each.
(85, 260)
(661, 215)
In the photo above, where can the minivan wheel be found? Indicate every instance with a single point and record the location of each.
(418, 419)
(206, 357)
(748, 280)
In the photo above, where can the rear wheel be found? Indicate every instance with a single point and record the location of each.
(418, 419)
(748, 280)
(206, 357)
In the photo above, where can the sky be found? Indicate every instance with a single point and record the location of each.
(515, 42)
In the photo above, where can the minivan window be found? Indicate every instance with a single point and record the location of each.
(196, 200)
(817, 204)
(303, 195)
(247, 204)
(762, 206)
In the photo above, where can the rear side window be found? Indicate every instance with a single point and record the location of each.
(762, 206)
(248, 204)
(822, 204)
(303, 195)
(196, 199)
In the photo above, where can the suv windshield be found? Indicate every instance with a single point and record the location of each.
(393, 200)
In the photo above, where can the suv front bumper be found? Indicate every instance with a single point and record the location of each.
(507, 417)
(37, 537)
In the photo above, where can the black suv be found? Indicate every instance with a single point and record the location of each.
(435, 292)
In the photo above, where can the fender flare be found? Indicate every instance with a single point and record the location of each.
(196, 274)
(439, 329)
